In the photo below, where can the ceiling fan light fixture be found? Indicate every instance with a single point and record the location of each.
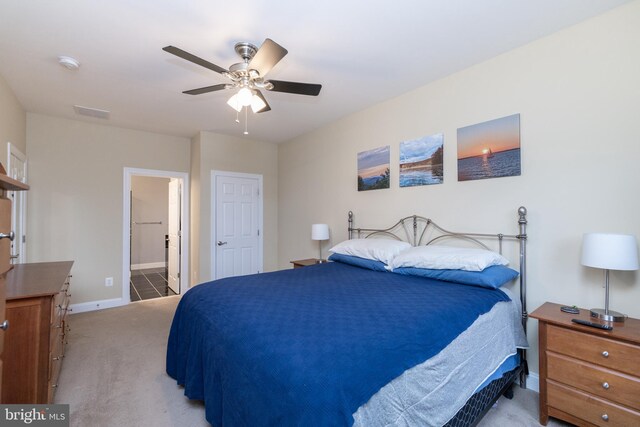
(257, 104)
(234, 103)
(244, 96)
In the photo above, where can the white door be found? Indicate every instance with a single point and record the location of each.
(237, 234)
(17, 165)
(173, 268)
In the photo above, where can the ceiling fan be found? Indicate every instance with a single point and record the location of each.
(249, 75)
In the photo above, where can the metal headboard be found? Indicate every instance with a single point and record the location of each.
(414, 228)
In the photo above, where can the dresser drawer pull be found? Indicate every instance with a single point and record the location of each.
(57, 327)
(5, 325)
(59, 357)
(605, 386)
(605, 353)
(54, 385)
(605, 417)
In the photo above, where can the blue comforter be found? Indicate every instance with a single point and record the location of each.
(308, 346)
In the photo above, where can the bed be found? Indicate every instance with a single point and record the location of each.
(346, 344)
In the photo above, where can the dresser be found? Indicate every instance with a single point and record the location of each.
(38, 297)
(6, 236)
(588, 376)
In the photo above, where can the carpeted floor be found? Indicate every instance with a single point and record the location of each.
(114, 375)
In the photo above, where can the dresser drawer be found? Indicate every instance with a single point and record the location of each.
(611, 385)
(590, 408)
(604, 352)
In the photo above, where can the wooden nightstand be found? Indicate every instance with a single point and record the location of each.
(588, 376)
(306, 262)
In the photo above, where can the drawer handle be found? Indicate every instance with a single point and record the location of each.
(54, 385)
(605, 385)
(9, 236)
(5, 325)
(605, 417)
(57, 327)
(58, 358)
(605, 353)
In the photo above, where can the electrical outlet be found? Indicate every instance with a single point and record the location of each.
(108, 281)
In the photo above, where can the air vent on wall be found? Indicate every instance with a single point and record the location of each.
(91, 112)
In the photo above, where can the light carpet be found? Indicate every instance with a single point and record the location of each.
(114, 374)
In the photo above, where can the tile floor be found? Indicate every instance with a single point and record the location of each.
(149, 283)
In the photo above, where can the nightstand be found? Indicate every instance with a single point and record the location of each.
(588, 376)
(306, 262)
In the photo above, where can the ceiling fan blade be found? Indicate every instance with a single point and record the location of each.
(205, 89)
(266, 107)
(269, 54)
(192, 58)
(295, 87)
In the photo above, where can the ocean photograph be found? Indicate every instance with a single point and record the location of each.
(490, 149)
(421, 161)
(373, 169)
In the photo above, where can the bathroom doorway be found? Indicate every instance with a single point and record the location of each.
(154, 249)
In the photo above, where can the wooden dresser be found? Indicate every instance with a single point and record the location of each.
(38, 298)
(6, 236)
(588, 376)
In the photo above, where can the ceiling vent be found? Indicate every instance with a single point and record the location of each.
(92, 112)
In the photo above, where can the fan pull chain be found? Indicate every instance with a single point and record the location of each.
(246, 120)
(237, 116)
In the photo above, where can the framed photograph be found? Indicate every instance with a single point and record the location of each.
(421, 161)
(489, 149)
(373, 169)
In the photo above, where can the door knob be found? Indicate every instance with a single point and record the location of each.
(9, 236)
(5, 325)
(220, 242)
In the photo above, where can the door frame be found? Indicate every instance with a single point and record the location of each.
(15, 151)
(214, 247)
(183, 178)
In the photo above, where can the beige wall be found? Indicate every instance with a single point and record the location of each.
(578, 94)
(13, 121)
(233, 154)
(75, 202)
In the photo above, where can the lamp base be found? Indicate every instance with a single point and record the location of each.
(611, 316)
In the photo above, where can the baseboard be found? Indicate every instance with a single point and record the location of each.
(533, 382)
(96, 305)
(148, 265)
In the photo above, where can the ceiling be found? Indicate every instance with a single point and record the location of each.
(361, 52)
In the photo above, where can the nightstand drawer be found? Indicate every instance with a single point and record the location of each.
(605, 383)
(591, 409)
(601, 351)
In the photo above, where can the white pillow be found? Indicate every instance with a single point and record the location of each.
(383, 250)
(448, 258)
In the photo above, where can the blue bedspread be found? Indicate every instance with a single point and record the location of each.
(308, 346)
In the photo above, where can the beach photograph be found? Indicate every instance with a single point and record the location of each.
(421, 161)
(490, 149)
(373, 169)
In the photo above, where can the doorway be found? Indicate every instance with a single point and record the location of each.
(155, 234)
(236, 224)
(17, 169)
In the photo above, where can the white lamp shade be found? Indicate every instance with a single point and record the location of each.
(234, 103)
(257, 104)
(319, 232)
(610, 251)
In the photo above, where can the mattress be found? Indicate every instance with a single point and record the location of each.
(312, 346)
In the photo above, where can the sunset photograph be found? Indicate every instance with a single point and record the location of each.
(373, 169)
(490, 149)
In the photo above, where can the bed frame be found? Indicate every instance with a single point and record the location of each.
(418, 230)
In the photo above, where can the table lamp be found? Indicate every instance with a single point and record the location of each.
(609, 252)
(320, 232)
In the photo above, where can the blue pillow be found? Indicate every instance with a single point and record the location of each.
(359, 262)
(491, 277)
